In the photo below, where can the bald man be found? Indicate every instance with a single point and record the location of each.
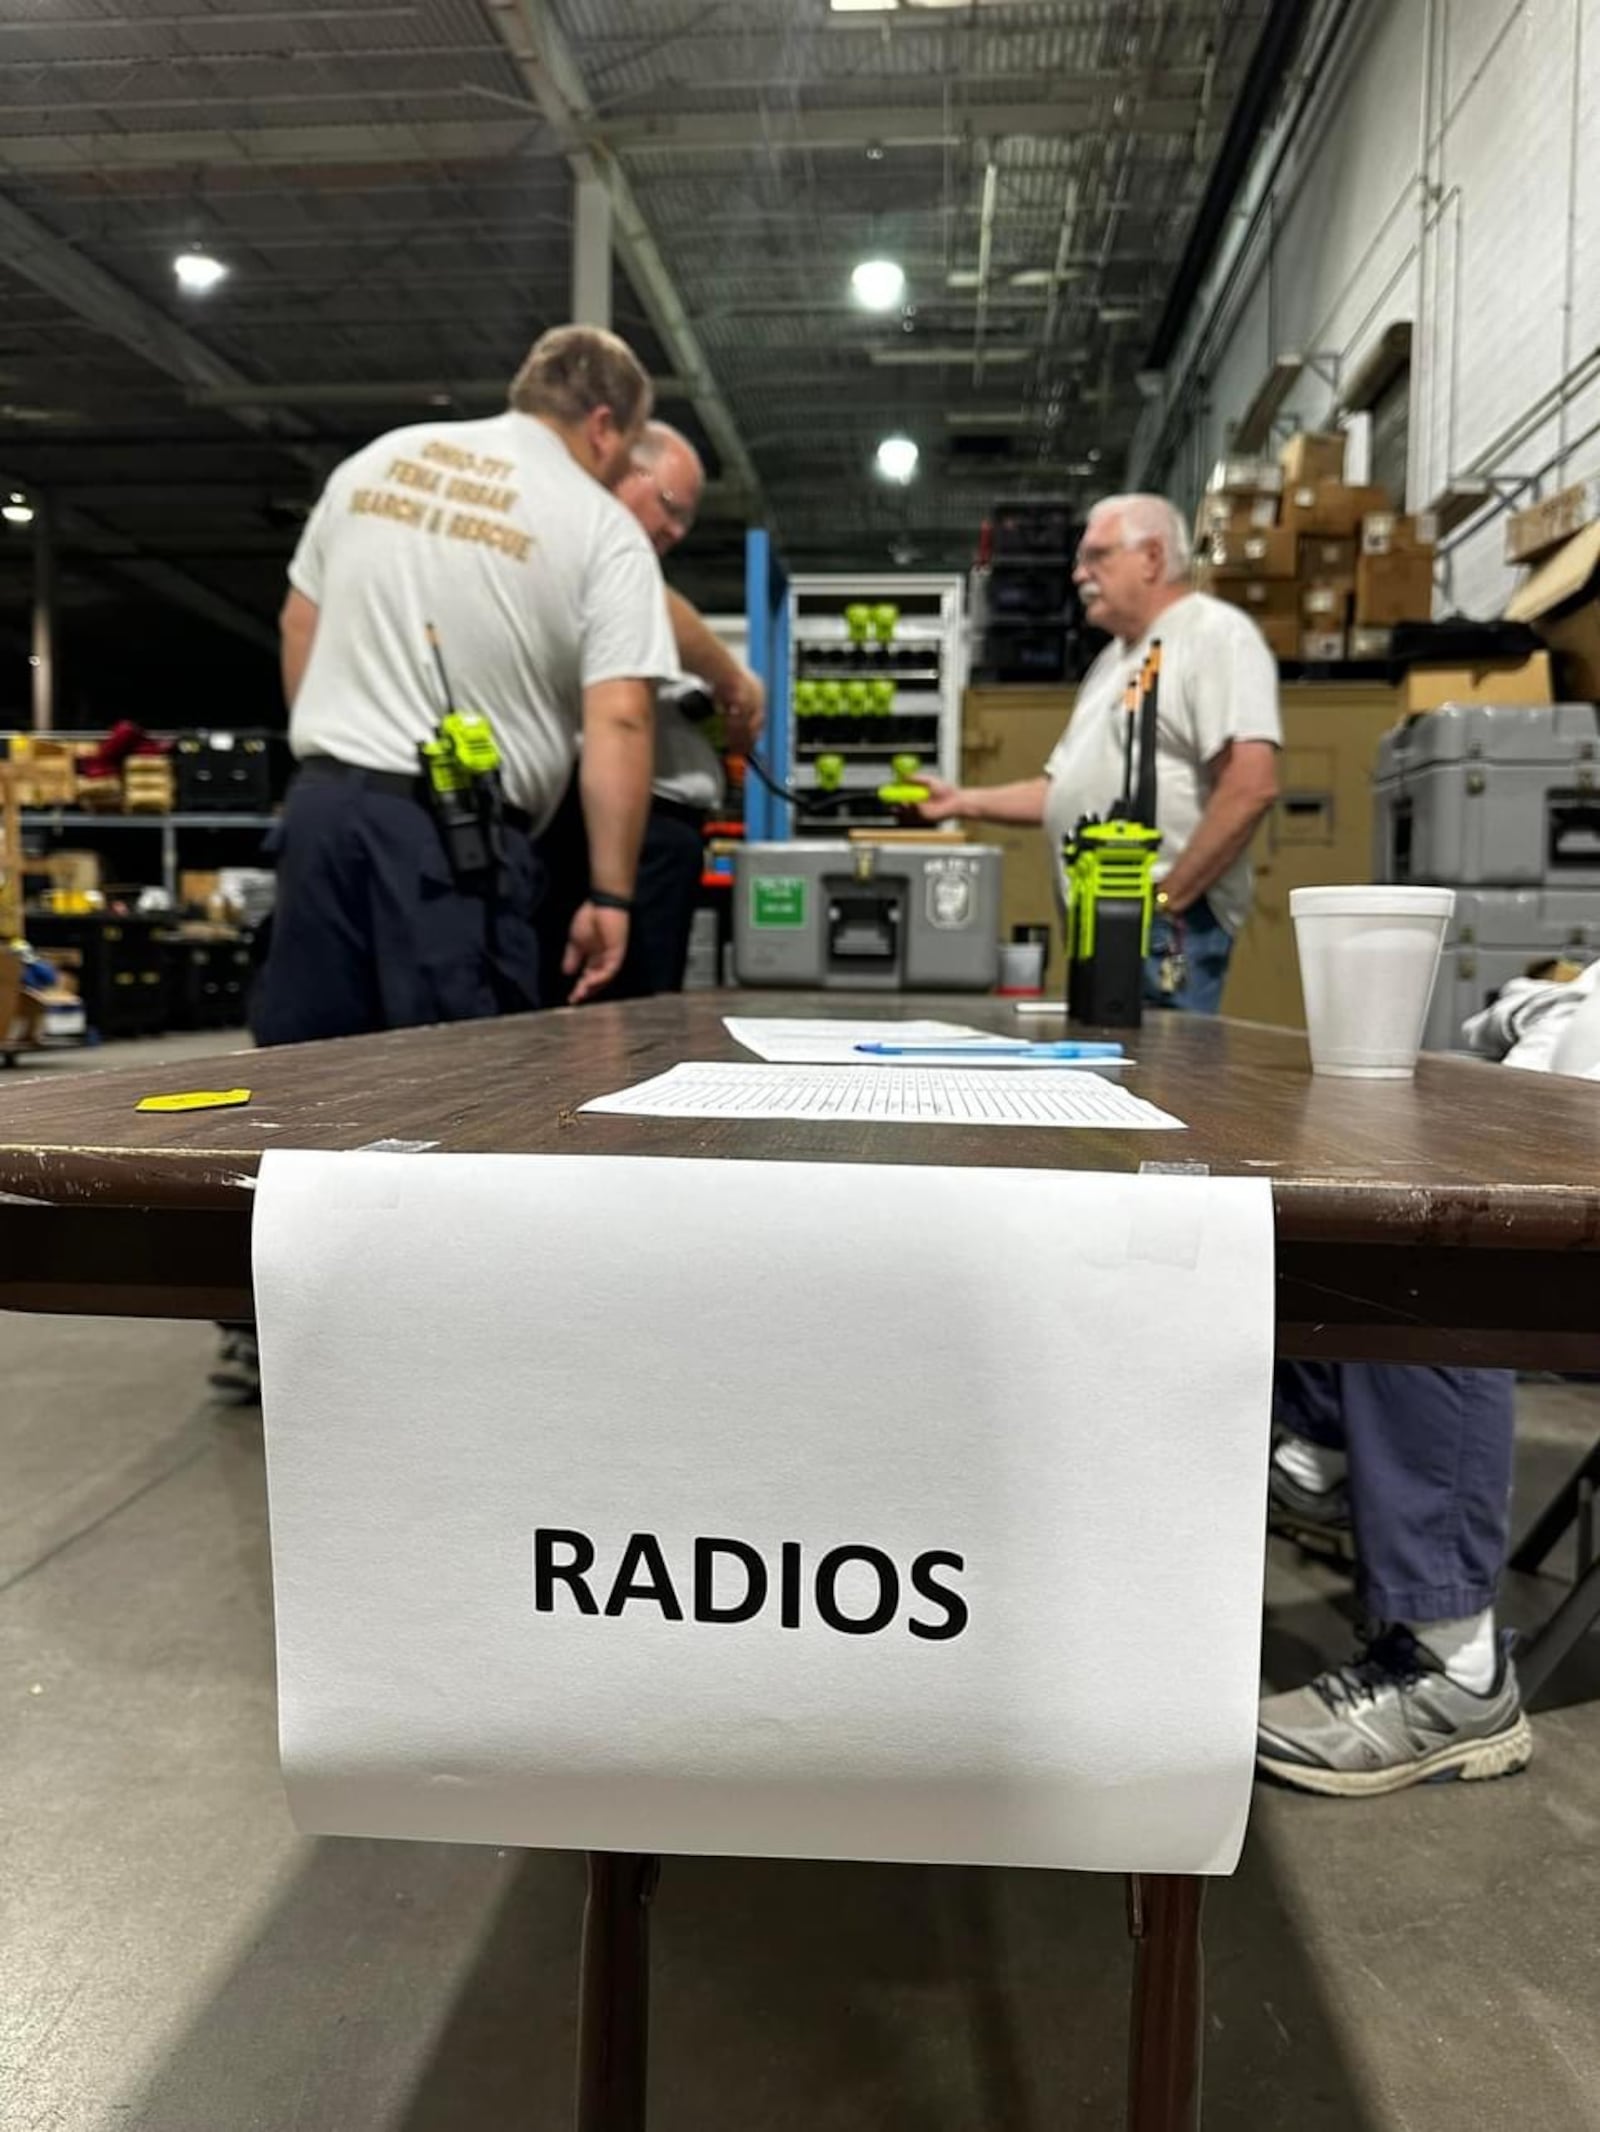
(662, 488)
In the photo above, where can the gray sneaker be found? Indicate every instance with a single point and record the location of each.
(237, 1375)
(1315, 1518)
(1392, 1719)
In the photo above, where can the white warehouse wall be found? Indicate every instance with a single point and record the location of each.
(1479, 222)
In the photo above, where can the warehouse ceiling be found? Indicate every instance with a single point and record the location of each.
(391, 182)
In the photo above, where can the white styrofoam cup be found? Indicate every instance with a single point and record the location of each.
(1368, 959)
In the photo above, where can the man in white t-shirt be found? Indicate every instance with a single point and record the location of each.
(1217, 739)
(501, 539)
(662, 488)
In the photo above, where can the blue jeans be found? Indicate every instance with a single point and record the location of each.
(1430, 1476)
(1205, 944)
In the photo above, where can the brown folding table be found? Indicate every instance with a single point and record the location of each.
(1450, 1219)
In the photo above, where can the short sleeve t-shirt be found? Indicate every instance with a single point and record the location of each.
(1219, 683)
(537, 581)
(688, 768)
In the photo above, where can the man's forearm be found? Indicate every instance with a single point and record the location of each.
(297, 629)
(1221, 834)
(614, 784)
(700, 650)
(1021, 804)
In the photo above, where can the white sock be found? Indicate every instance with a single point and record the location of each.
(1312, 1466)
(1465, 1648)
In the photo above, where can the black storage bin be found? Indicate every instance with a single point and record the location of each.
(210, 982)
(1041, 592)
(122, 972)
(223, 773)
(1032, 530)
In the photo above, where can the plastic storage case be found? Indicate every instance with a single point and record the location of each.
(1504, 795)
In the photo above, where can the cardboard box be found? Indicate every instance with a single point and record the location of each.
(1327, 560)
(1261, 596)
(1547, 524)
(77, 870)
(1245, 477)
(1314, 455)
(45, 771)
(1258, 553)
(1322, 644)
(1282, 632)
(100, 795)
(1428, 688)
(1561, 599)
(1330, 510)
(1371, 643)
(1319, 832)
(1393, 588)
(148, 784)
(1399, 533)
(1326, 607)
(1234, 516)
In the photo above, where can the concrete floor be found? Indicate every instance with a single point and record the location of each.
(176, 1959)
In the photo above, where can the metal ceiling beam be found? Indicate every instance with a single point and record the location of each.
(379, 392)
(40, 256)
(890, 126)
(425, 142)
(547, 66)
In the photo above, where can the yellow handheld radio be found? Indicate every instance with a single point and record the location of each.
(461, 771)
(1109, 876)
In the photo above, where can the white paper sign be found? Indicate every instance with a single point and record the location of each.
(804, 1510)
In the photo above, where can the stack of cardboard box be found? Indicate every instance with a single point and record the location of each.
(45, 771)
(1325, 566)
(1559, 540)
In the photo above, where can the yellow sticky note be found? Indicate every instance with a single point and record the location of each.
(197, 1099)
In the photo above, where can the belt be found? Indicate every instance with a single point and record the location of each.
(396, 785)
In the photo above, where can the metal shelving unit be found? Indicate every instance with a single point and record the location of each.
(166, 825)
(925, 661)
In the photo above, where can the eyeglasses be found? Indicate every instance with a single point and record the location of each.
(1088, 558)
(679, 514)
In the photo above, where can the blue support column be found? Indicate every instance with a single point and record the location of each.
(766, 592)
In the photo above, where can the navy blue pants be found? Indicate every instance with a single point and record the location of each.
(1429, 1449)
(370, 930)
(666, 893)
(1430, 1476)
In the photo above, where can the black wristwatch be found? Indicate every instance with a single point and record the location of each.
(604, 900)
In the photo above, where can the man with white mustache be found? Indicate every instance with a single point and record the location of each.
(1217, 740)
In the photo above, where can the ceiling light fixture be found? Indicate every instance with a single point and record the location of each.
(879, 284)
(897, 459)
(198, 273)
(16, 510)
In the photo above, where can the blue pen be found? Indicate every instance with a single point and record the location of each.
(992, 1051)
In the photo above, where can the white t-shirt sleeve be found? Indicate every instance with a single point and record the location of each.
(625, 631)
(1231, 685)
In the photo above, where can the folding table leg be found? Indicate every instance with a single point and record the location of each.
(1538, 1657)
(614, 1994)
(1561, 1511)
(1168, 2002)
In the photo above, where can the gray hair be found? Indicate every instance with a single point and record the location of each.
(658, 437)
(1146, 517)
